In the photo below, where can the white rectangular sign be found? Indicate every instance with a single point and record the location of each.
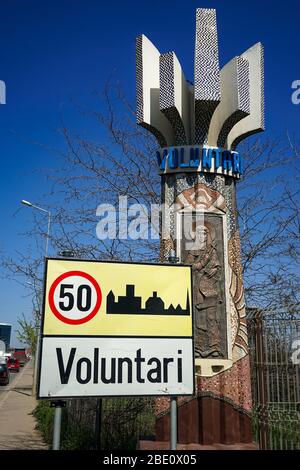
(97, 366)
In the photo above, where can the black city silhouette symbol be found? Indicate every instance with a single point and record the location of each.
(130, 304)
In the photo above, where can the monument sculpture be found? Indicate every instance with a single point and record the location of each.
(198, 128)
(207, 272)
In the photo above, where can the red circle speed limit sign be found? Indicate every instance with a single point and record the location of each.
(75, 297)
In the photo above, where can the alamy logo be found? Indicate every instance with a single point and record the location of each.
(296, 93)
(295, 357)
(2, 92)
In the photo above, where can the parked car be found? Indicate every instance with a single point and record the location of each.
(4, 374)
(13, 364)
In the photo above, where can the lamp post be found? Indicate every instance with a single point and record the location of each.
(27, 203)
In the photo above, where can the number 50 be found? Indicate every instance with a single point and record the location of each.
(83, 297)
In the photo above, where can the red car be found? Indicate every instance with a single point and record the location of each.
(13, 364)
(20, 355)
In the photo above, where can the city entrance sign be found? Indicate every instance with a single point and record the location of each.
(113, 329)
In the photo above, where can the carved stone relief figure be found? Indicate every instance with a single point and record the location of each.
(206, 259)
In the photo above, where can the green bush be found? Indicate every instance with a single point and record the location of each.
(71, 438)
(44, 416)
(123, 422)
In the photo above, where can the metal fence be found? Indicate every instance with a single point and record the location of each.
(126, 420)
(82, 424)
(108, 423)
(275, 379)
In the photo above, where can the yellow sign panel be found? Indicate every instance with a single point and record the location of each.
(117, 299)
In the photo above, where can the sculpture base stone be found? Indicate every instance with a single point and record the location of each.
(206, 422)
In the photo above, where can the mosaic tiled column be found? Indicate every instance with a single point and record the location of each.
(193, 123)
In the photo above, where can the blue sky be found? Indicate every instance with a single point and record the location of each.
(54, 52)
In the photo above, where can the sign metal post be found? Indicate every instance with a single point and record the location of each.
(173, 403)
(173, 426)
(58, 405)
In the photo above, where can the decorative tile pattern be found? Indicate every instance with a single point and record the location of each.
(243, 84)
(139, 80)
(257, 123)
(167, 97)
(141, 99)
(207, 72)
(238, 311)
(234, 384)
(243, 108)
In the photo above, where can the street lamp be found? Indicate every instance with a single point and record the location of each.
(27, 203)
